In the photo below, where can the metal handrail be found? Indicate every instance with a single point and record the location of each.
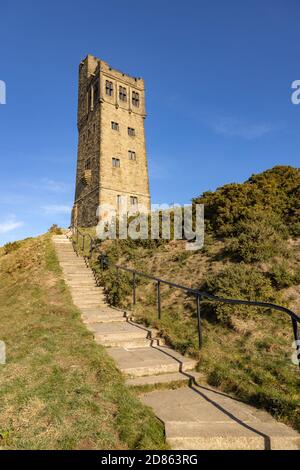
(195, 292)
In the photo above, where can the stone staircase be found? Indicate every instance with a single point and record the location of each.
(196, 416)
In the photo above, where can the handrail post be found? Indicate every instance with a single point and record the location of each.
(199, 321)
(83, 240)
(297, 339)
(134, 288)
(158, 300)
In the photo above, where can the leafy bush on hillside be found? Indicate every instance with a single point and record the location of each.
(55, 229)
(276, 190)
(259, 236)
(283, 276)
(238, 282)
(117, 286)
(11, 246)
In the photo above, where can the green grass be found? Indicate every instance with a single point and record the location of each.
(58, 389)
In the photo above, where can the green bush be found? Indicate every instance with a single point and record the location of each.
(117, 286)
(295, 230)
(276, 190)
(55, 230)
(242, 282)
(259, 237)
(11, 246)
(282, 276)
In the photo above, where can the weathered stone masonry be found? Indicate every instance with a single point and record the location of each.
(111, 160)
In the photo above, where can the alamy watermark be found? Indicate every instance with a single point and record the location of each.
(2, 353)
(295, 96)
(164, 222)
(2, 92)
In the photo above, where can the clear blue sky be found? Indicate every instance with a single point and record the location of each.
(218, 79)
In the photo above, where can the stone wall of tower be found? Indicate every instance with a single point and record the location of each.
(98, 143)
(131, 178)
(88, 154)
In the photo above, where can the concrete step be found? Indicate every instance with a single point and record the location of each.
(79, 272)
(103, 315)
(72, 261)
(86, 291)
(150, 361)
(164, 379)
(73, 268)
(78, 294)
(201, 417)
(134, 343)
(117, 334)
(224, 436)
(81, 305)
(88, 284)
(104, 318)
(86, 302)
(79, 276)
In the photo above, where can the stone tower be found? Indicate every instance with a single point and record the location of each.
(111, 160)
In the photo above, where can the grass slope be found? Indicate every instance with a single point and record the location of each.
(59, 390)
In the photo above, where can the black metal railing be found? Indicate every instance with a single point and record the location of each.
(197, 294)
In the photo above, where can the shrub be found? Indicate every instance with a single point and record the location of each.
(11, 246)
(282, 276)
(259, 237)
(295, 230)
(238, 282)
(276, 190)
(117, 286)
(55, 230)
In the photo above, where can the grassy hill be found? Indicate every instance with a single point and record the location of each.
(58, 390)
(251, 252)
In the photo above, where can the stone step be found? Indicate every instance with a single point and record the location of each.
(86, 290)
(104, 318)
(81, 305)
(75, 268)
(118, 333)
(71, 259)
(134, 343)
(87, 295)
(95, 303)
(163, 379)
(201, 417)
(103, 315)
(106, 309)
(79, 276)
(224, 436)
(79, 272)
(150, 361)
(86, 302)
(88, 284)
